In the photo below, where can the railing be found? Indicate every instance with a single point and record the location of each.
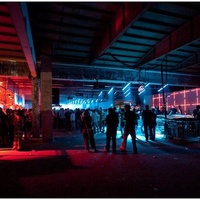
(179, 127)
(183, 129)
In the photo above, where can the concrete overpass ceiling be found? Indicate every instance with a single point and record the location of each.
(111, 43)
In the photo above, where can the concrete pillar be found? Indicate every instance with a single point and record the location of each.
(46, 98)
(35, 108)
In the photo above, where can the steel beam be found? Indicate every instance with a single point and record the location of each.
(185, 35)
(125, 16)
(123, 76)
(19, 23)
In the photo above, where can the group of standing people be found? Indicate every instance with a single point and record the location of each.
(112, 121)
(69, 119)
(13, 125)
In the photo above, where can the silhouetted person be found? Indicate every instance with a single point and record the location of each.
(78, 118)
(10, 121)
(130, 118)
(173, 111)
(147, 118)
(67, 120)
(196, 114)
(153, 123)
(88, 134)
(196, 111)
(122, 122)
(18, 124)
(179, 110)
(3, 128)
(111, 121)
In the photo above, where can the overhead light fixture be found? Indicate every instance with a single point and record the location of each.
(127, 94)
(100, 93)
(141, 91)
(110, 90)
(127, 91)
(126, 86)
(162, 87)
(147, 85)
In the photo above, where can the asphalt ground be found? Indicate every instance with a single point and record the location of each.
(63, 169)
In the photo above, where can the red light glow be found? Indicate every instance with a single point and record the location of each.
(187, 99)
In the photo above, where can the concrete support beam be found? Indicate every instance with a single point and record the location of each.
(20, 26)
(35, 108)
(46, 98)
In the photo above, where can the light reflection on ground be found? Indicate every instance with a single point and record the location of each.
(14, 155)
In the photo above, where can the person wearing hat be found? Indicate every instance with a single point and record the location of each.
(130, 117)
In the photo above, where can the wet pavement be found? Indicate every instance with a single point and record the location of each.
(63, 169)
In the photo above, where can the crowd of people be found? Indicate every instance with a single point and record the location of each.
(70, 119)
(17, 124)
(125, 120)
(14, 125)
(109, 121)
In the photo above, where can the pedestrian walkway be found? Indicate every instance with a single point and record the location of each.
(63, 169)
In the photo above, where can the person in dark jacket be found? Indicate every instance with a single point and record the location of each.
(111, 122)
(88, 134)
(3, 127)
(147, 122)
(130, 118)
(153, 123)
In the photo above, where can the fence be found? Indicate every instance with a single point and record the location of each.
(183, 129)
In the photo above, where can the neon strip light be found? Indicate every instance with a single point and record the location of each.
(163, 87)
(110, 90)
(100, 93)
(147, 85)
(141, 92)
(127, 94)
(126, 86)
(127, 91)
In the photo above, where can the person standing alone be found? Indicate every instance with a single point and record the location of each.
(130, 117)
(111, 121)
(153, 124)
(88, 134)
(147, 123)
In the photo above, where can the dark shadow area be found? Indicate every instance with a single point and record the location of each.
(12, 171)
(174, 148)
(161, 169)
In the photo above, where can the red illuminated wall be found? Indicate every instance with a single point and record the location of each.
(187, 99)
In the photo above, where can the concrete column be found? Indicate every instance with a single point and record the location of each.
(35, 108)
(46, 98)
